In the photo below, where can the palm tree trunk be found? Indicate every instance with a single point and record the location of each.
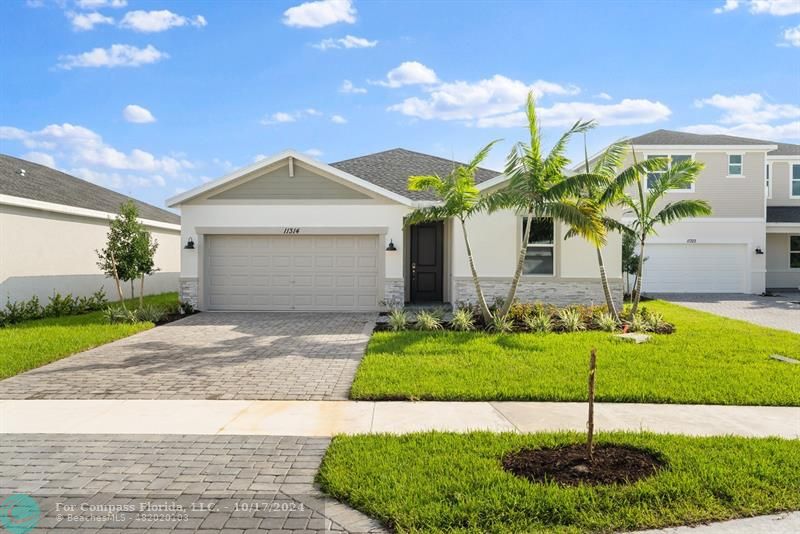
(487, 316)
(637, 289)
(512, 290)
(606, 289)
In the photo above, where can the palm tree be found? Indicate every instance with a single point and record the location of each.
(604, 169)
(645, 205)
(460, 198)
(537, 187)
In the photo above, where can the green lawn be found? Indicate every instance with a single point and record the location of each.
(437, 482)
(708, 360)
(32, 344)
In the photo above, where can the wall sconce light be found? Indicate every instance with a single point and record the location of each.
(391, 247)
(759, 251)
(189, 244)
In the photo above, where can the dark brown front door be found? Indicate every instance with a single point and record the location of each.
(427, 261)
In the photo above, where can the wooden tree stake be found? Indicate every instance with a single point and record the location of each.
(590, 423)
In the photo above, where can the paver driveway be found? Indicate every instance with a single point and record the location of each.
(249, 356)
(227, 484)
(781, 311)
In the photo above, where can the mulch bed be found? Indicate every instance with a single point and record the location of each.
(174, 317)
(569, 466)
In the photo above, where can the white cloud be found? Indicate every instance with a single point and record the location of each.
(118, 55)
(626, 112)
(468, 101)
(158, 21)
(137, 114)
(95, 4)
(751, 108)
(729, 5)
(83, 147)
(314, 152)
(791, 36)
(116, 180)
(408, 73)
(259, 157)
(603, 96)
(790, 130)
(320, 13)
(284, 116)
(348, 41)
(348, 88)
(87, 21)
(775, 7)
(338, 119)
(41, 158)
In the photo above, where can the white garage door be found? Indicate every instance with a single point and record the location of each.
(696, 268)
(304, 273)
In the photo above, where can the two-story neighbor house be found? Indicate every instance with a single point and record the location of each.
(751, 241)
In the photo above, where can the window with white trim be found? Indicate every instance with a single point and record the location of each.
(795, 181)
(768, 182)
(735, 164)
(540, 253)
(675, 158)
(794, 251)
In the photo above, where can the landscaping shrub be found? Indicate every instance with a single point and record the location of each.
(605, 321)
(571, 320)
(463, 320)
(58, 306)
(119, 315)
(540, 322)
(398, 320)
(150, 313)
(428, 321)
(501, 325)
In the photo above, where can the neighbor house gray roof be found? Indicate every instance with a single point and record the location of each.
(783, 214)
(671, 137)
(390, 169)
(49, 185)
(786, 149)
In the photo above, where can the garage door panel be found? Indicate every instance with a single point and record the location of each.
(695, 268)
(292, 272)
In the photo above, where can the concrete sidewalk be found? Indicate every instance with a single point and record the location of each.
(327, 418)
(786, 523)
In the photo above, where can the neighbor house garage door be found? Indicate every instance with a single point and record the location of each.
(277, 272)
(697, 268)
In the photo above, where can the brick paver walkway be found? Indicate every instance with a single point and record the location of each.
(781, 311)
(250, 356)
(227, 484)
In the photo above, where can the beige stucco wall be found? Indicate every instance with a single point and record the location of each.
(42, 252)
(781, 185)
(779, 274)
(739, 197)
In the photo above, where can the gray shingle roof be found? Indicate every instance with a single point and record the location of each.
(786, 149)
(390, 169)
(49, 185)
(783, 214)
(671, 137)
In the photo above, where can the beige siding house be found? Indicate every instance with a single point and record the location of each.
(746, 244)
(51, 223)
(292, 233)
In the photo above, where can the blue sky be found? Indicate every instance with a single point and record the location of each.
(154, 97)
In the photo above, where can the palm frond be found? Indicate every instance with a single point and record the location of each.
(481, 155)
(424, 183)
(427, 214)
(581, 215)
(682, 209)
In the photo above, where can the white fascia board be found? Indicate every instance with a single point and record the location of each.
(782, 158)
(21, 202)
(491, 182)
(192, 193)
(706, 148)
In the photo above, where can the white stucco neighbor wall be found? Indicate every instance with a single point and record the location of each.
(42, 252)
(779, 273)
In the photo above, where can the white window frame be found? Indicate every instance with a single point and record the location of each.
(793, 251)
(768, 179)
(668, 155)
(741, 165)
(792, 180)
(539, 245)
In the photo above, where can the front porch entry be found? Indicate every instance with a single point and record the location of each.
(426, 267)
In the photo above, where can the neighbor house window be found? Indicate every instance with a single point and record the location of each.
(768, 183)
(540, 252)
(794, 251)
(734, 164)
(671, 160)
(795, 180)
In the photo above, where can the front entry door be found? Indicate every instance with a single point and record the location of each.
(427, 262)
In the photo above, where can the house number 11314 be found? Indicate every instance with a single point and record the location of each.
(291, 230)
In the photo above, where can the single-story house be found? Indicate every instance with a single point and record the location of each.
(292, 233)
(52, 223)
